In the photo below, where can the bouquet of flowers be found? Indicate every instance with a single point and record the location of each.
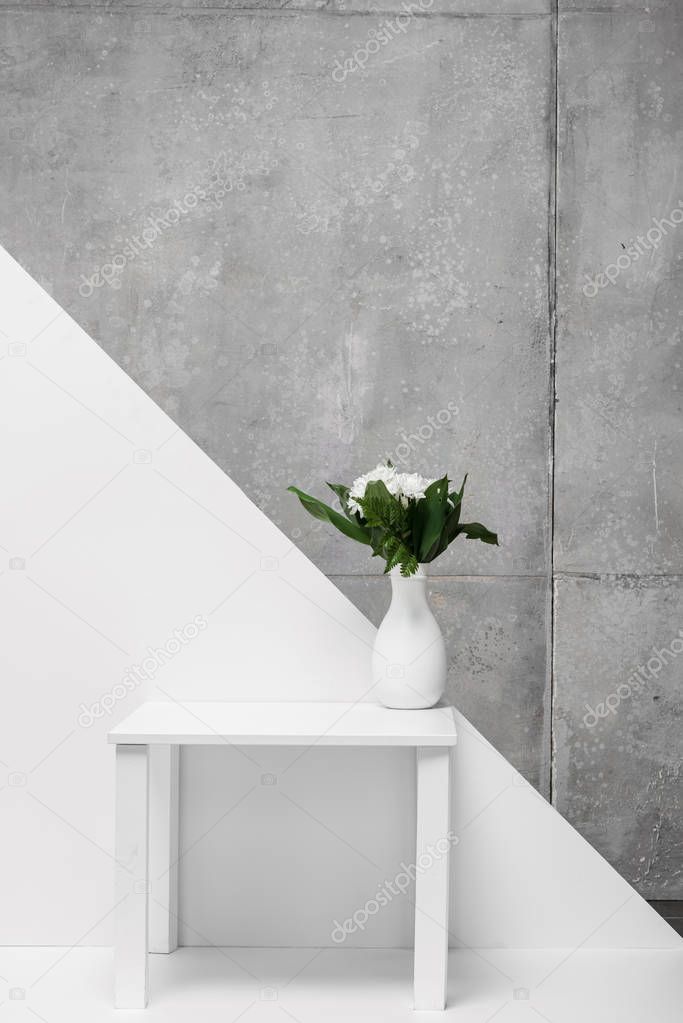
(404, 518)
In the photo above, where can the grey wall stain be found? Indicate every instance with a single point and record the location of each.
(368, 257)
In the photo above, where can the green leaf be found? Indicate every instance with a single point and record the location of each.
(409, 565)
(378, 496)
(341, 490)
(475, 531)
(392, 553)
(396, 553)
(320, 510)
(451, 526)
(377, 538)
(455, 497)
(382, 510)
(429, 517)
(342, 493)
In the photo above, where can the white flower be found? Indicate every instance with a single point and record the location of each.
(383, 472)
(411, 486)
(406, 486)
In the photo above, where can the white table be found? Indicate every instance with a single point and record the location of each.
(147, 760)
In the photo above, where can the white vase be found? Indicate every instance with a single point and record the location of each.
(409, 654)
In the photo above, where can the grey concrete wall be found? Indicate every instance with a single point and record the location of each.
(618, 542)
(349, 256)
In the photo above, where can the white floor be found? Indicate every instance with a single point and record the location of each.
(305, 985)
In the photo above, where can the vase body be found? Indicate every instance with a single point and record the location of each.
(409, 654)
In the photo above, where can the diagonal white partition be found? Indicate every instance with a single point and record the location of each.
(132, 566)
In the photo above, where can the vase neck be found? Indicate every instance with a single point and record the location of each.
(408, 590)
(421, 573)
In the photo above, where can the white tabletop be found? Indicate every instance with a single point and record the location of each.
(285, 724)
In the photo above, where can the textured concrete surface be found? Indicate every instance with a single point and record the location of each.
(616, 6)
(618, 546)
(313, 249)
(288, 8)
(617, 724)
(619, 472)
(379, 259)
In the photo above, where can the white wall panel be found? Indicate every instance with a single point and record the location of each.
(116, 531)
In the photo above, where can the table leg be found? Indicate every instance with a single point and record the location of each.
(164, 764)
(131, 989)
(431, 881)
